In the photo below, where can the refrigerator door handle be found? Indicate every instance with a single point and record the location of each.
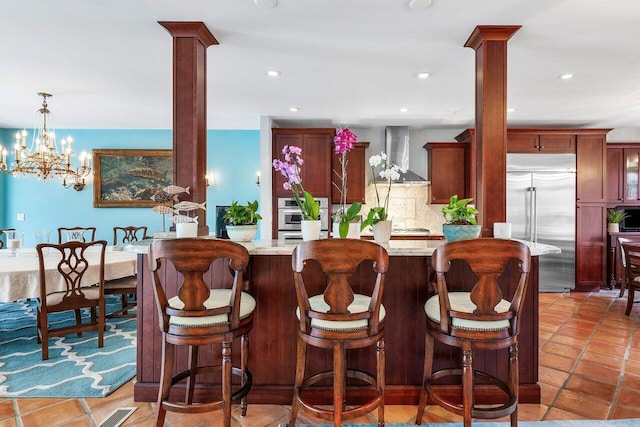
(534, 214)
(531, 191)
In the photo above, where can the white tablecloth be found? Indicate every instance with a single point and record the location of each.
(19, 276)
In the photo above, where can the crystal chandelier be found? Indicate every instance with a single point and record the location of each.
(45, 159)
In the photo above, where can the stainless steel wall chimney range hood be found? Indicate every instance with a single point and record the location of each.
(397, 149)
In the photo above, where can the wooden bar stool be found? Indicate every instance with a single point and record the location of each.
(198, 315)
(339, 319)
(480, 319)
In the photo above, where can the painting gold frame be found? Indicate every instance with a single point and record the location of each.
(128, 178)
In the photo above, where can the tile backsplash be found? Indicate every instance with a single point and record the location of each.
(408, 206)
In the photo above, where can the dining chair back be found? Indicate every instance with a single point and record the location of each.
(192, 314)
(2, 233)
(339, 285)
(482, 318)
(79, 291)
(129, 234)
(623, 262)
(83, 234)
(632, 272)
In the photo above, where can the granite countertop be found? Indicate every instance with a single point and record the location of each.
(394, 247)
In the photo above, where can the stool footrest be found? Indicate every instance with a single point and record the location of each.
(353, 412)
(489, 412)
(209, 406)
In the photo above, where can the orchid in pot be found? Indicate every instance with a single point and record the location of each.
(380, 212)
(310, 208)
(344, 142)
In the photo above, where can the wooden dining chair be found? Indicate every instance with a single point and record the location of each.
(72, 265)
(84, 234)
(1, 233)
(623, 262)
(192, 314)
(484, 318)
(125, 287)
(340, 312)
(632, 272)
(129, 234)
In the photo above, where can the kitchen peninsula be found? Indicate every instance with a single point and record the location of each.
(272, 341)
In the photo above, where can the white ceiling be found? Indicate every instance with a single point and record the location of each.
(343, 62)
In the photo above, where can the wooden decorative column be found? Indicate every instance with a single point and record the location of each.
(190, 42)
(488, 156)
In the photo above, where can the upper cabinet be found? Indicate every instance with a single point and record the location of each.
(622, 174)
(448, 170)
(536, 142)
(591, 166)
(357, 168)
(316, 145)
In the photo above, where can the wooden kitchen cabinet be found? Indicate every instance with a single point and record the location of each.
(536, 142)
(623, 183)
(358, 172)
(448, 172)
(316, 145)
(591, 247)
(591, 211)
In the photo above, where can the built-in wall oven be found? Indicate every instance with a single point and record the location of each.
(290, 219)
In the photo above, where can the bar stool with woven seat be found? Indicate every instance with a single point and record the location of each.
(340, 319)
(480, 319)
(198, 315)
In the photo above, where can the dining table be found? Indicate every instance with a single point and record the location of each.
(20, 274)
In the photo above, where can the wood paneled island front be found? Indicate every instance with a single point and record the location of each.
(273, 338)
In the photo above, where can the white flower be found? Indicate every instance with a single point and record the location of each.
(375, 160)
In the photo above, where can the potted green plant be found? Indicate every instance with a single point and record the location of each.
(614, 218)
(460, 220)
(242, 221)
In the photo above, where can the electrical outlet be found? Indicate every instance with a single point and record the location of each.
(20, 217)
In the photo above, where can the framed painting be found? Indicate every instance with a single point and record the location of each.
(129, 178)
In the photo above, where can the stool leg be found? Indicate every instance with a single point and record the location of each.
(165, 379)
(514, 379)
(226, 381)
(244, 362)
(339, 381)
(467, 384)
(301, 357)
(193, 368)
(380, 375)
(426, 375)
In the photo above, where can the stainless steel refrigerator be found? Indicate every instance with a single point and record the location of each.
(541, 194)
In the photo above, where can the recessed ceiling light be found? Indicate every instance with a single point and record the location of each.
(273, 73)
(294, 109)
(566, 76)
(423, 75)
(419, 4)
(404, 110)
(266, 4)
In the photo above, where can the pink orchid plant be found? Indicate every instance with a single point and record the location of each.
(290, 169)
(344, 142)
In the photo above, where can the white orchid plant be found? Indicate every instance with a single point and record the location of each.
(389, 172)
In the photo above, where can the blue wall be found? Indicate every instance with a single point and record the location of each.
(233, 155)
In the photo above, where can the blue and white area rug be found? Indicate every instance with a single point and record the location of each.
(562, 423)
(76, 366)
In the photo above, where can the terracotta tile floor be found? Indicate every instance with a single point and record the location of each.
(589, 368)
